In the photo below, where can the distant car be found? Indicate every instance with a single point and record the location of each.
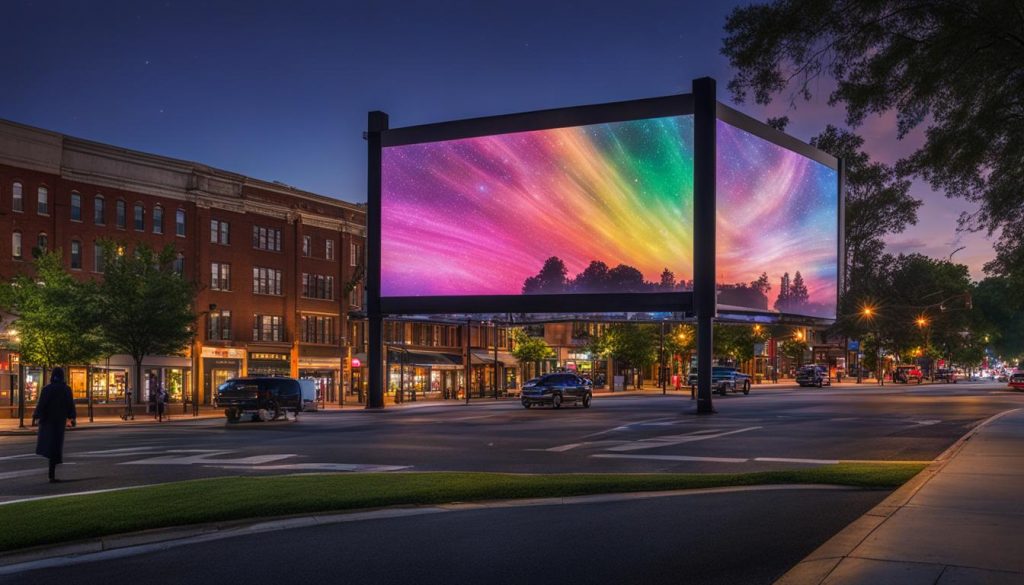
(723, 380)
(813, 376)
(1017, 381)
(260, 397)
(907, 373)
(945, 375)
(556, 390)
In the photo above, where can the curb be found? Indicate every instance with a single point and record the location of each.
(135, 543)
(815, 568)
(29, 430)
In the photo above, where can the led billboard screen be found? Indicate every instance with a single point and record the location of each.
(600, 208)
(777, 229)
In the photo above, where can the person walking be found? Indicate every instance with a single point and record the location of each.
(160, 396)
(55, 409)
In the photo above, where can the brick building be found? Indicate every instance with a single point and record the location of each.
(272, 263)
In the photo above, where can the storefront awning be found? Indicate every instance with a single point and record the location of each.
(423, 358)
(506, 359)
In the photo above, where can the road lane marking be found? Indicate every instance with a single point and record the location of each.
(669, 440)
(365, 467)
(671, 458)
(796, 460)
(205, 458)
(22, 456)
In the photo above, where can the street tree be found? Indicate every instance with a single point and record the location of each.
(529, 349)
(955, 67)
(633, 346)
(146, 306)
(55, 315)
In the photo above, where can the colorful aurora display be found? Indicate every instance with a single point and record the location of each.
(777, 214)
(479, 216)
(482, 216)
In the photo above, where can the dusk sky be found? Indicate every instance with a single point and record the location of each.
(280, 90)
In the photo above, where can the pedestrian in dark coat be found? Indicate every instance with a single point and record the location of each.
(54, 410)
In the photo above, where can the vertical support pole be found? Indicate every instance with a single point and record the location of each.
(495, 341)
(88, 389)
(468, 356)
(21, 393)
(661, 360)
(377, 123)
(704, 218)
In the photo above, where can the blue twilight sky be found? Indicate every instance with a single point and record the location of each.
(279, 90)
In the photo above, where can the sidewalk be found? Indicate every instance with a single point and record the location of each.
(959, 521)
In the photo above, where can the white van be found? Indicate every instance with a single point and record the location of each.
(309, 401)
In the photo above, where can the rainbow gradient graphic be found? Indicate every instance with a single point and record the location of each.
(478, 216)
(777, 212)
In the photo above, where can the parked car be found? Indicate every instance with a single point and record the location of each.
(906, 374)
(946, 375)
(260, 397)
(723, 379)
(558, 389)
(813, 375)
(1017, 381)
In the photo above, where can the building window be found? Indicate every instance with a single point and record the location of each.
(158, 219)
(317, 329)
(76, 207)
(264, 238)
(220, 276)
(98, 264)
(267, 328)
(16, 245)
(121, 218)
(76, 255)
(17, 198)
(219, 325)
(140, 218)
(99, 210)
(43, 202)
(220, 232)
(179, 264)
(317, 286)
(307, 245)
(179, 223)
(354, 255)
(266, 281)
(329, 249)
(355, 297)
(42, 243)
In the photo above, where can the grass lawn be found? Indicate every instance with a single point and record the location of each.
(72, 518)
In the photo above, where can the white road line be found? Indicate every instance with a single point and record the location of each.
(671, 458)
(205, 459)
(794, 460)
(22, 456)
(22, 473)
(317, 467)
(669, 440)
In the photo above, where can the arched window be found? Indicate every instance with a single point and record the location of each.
(42, 243)
(99, 210)
(98, 261)
(76, 255)
(43, 201)
(140, 221)
(179, 222)
(16, 252)
(121, 213)
(158, 219)
(179, 263)
(17, 198)
(76, 207)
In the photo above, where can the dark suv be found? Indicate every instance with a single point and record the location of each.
(262, 398)
(813, 376)
(557, 389)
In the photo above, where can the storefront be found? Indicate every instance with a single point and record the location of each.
(490, 376)
(414, 375)
(220, 364)
(355, 390)
(269, 364)
(325, 374)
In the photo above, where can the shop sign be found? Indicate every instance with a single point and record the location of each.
(356, 363)
(281, 357)
(223, 352)
(15, 359)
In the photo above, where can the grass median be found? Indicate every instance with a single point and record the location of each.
(71, 518)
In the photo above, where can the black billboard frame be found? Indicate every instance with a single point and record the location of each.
(702, 104)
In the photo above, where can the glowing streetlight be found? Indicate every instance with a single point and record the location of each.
(867, 312)
(922, 322)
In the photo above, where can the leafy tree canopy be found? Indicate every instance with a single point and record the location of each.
(957, 67)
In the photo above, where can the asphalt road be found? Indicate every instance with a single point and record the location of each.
(769, 429)
(745, 537)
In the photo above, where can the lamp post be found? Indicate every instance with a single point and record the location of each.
(196, 382)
